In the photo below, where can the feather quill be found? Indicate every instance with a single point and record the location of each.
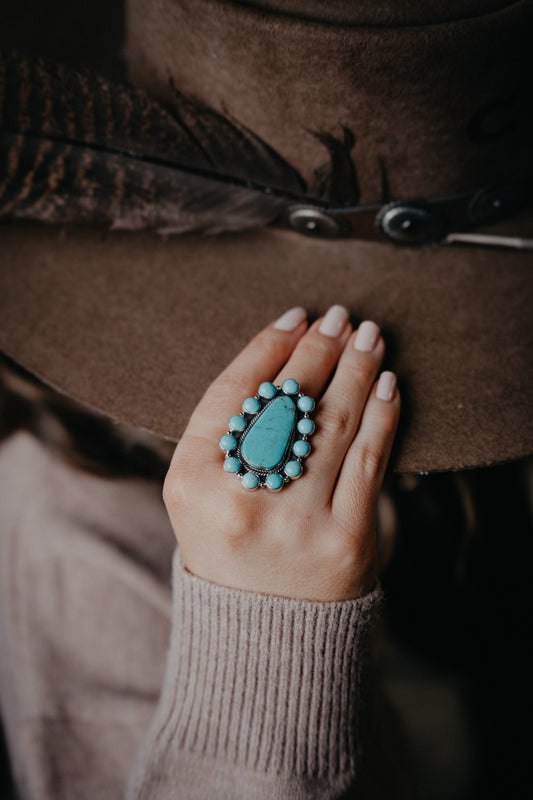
(77, 148)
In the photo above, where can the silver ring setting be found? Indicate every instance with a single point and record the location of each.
(267, 442)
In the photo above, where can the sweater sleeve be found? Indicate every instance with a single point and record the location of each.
(262, 697)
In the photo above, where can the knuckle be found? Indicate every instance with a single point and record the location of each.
(235, 521)
(352, 558)
(317, 347)
(335, 421)
(356, 537)
(339, 549)
(382, 423)
(388, 425)
(371, 460)
(270, 345)
(229, 384)
(175, 489)
(168, 491)
(365, 371)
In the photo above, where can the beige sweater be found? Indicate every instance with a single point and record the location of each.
(107, 681)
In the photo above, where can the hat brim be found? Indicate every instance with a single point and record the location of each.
(136, 325)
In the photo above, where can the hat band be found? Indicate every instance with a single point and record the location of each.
(60, 168)
(410, 222)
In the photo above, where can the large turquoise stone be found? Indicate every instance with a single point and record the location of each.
(265, 443)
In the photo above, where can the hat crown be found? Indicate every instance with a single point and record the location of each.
(366, 113)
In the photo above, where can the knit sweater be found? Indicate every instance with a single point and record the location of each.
(109, 680)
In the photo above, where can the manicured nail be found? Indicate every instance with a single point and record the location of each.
(386, 386)
(290, 320)
(334, 322)
(367, 336)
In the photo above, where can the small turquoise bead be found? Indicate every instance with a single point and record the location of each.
(237, 423)
(290, 386)
(267, 390)
(274, 481)
(306, 404)
(232, 464)
(251, 405)
(306, 426)
(250, 481)
(301, 448)
(293, 469)
(228, 442)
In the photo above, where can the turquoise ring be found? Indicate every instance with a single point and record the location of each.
(267, 441)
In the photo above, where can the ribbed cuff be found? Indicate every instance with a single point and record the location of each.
(266, 682)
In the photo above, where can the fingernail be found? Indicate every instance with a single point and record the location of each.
(290, 320)
(367, 336)
(386, 386)
(334, 321)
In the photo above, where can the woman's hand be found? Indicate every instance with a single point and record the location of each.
(316, 539)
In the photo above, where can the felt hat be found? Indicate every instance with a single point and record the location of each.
(364, 144)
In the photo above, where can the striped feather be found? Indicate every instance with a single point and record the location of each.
(77, 148)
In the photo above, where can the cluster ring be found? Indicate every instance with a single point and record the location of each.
(268, 440)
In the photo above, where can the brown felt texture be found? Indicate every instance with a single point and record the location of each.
(145, 323)
(137, 325)
(434, 109)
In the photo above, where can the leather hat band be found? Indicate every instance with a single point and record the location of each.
(409, 222)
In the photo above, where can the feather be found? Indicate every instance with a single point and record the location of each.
(336, 180)
(77, 148)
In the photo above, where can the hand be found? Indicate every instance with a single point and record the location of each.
(316, 539)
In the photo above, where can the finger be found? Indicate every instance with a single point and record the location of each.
(260, 361)
(343, 402)
(355, 497)
(317, 353)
